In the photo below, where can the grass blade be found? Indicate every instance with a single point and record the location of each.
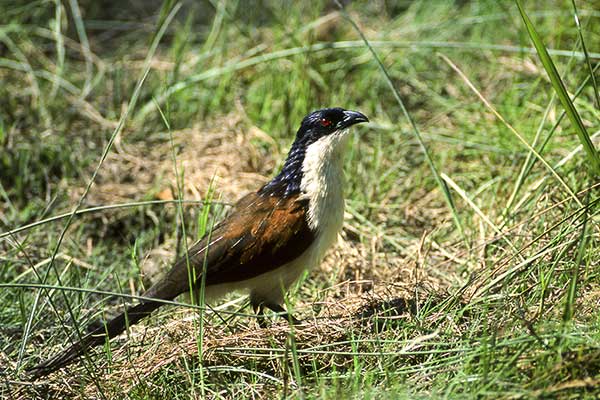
(561, 92)
(586, 54)
(388, 79)
(570, 301)
(510, 127)
(118, 129)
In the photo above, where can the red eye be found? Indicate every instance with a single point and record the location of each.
(325, 122)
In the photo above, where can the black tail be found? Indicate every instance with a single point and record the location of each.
(97, 336)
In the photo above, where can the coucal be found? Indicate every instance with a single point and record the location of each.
(265, 243)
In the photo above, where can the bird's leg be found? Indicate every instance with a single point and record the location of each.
(282, 313)
(259, 303)
(259, 309)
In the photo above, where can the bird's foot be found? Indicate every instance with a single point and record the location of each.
(262, 322)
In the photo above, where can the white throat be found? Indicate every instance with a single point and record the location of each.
(323, 186)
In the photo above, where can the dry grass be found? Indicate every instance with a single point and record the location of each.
(221, 152)
(172, 345)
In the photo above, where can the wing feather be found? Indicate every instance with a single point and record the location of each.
(261, 234)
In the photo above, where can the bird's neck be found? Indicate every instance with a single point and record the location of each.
(287, 182)
(319, 162)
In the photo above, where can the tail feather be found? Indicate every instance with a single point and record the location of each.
(97, 336)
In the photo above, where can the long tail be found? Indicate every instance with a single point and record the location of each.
(94, 338)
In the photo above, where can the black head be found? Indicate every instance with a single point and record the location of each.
(316, 125)
(325, 122)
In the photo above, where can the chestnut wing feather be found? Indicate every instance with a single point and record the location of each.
(261, 234)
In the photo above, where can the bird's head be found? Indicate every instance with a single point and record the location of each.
(320, 136)
(326, 122)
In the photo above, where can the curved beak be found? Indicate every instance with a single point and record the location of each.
(352, 118)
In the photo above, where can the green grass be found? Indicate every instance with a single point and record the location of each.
(469, 261)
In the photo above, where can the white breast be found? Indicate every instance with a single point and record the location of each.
(323, 185)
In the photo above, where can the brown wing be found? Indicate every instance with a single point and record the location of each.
(261, 234)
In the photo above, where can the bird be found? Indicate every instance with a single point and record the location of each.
(265, 243)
